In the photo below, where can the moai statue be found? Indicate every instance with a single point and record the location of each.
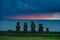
(40, 28)
(18, 27)
(32, 27)
(25, 27)
(47, 30)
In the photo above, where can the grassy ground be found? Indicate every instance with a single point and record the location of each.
(27, 38)
(30, 36)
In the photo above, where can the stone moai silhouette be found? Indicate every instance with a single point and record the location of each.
(18, 27)
(40, 28)
(32, 26)
(25, 27)
(47, 30)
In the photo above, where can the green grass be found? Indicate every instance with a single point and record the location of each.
(27, 38)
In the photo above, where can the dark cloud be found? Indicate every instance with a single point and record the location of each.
(13, 7)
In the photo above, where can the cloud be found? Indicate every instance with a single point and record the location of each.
(33, 4)
(57, 15)
(17, 4)
(27, 6)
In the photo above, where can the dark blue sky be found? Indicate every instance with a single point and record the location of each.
(20, 7)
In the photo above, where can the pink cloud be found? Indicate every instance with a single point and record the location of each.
(32, 17)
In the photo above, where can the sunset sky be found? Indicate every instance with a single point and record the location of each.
(29, 10)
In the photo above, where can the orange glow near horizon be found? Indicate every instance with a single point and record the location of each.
(32, 17)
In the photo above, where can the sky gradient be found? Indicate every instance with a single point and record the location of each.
(41, 8)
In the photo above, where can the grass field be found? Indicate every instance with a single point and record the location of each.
(27, 38)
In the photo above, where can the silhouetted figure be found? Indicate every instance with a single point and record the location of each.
(47, 30)
(40, 28)
(18, 27)
(25, 27)
(32, 27)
